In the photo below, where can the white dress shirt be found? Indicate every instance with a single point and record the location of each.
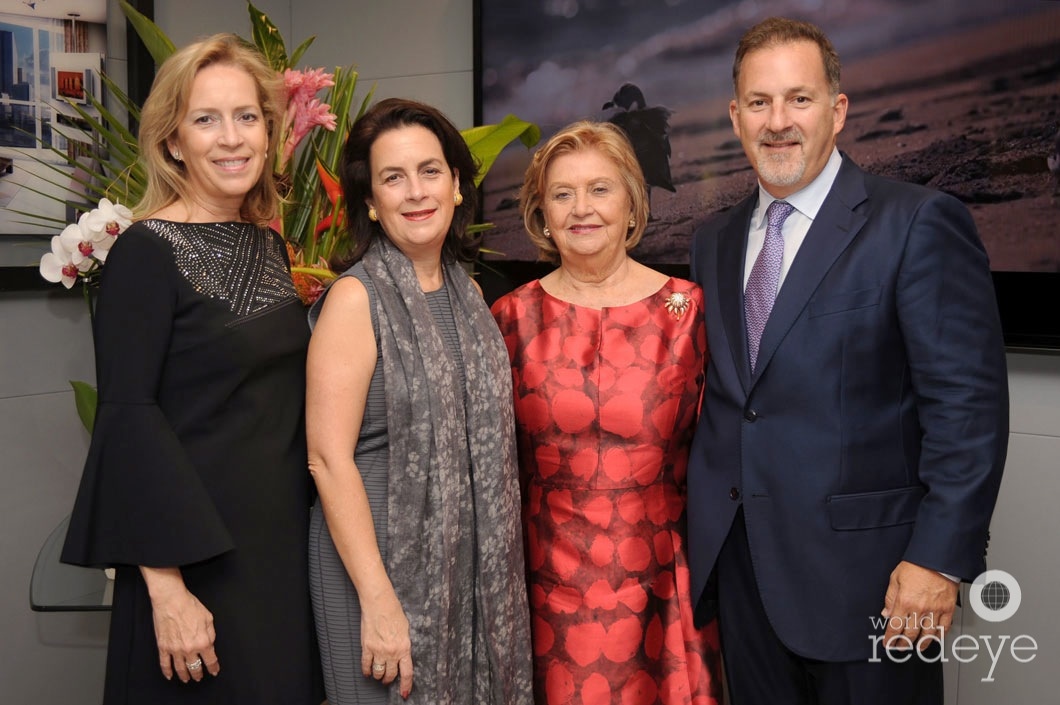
(807, 202)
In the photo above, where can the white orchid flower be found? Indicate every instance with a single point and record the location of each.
(107, 222)
(80, 243)
(95, 232)
(58, 265)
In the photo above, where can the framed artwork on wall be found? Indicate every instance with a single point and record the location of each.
(49, 56)
(69, 85)
(75, 77)
(960, 96)
(50, 62)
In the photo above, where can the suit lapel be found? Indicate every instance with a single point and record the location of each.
(832, 230)
(732, 247)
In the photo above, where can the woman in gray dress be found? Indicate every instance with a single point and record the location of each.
(416, 562)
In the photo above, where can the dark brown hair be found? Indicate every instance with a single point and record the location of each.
(355, 176)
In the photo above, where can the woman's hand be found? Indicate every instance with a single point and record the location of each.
(386, 649)
(183, 627)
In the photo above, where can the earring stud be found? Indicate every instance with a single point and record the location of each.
(546, 232)
(458, 198)
(372, 215)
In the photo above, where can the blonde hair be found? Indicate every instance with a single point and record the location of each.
(611, 142)
(167, 104)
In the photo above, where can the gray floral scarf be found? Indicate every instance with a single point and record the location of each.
(453, 505)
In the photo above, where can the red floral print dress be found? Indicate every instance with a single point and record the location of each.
(605, 404)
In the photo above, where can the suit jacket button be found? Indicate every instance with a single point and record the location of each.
(750, 415)
(734, 493)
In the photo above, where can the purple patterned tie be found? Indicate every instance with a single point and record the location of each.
(765, 275)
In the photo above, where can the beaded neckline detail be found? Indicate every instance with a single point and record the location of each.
(240, 264)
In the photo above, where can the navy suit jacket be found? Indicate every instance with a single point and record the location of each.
(875, 426)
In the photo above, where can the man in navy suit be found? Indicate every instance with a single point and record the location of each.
(843, 476)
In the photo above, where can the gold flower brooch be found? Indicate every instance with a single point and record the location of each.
(677, 303)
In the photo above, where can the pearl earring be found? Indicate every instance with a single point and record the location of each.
(632, 223)
(546, 232)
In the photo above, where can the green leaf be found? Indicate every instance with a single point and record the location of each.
(267, 38)
(296, 55)
(85, 399)
(487, 141)
(158, 44)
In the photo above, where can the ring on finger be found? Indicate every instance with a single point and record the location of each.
(195, 665)
(379, 668)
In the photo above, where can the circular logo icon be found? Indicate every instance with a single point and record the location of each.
(995, 595)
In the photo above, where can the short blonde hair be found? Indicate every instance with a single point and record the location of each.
(167, 104)
(611, 142)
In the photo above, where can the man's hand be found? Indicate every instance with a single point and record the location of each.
(919, 603)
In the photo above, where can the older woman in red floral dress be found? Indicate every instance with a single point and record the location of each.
(607, 361)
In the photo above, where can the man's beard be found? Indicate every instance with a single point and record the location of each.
(781, 169)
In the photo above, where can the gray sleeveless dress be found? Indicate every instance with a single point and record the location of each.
(335, 605)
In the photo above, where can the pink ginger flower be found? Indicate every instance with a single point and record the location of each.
(304, 85)
(304, 110)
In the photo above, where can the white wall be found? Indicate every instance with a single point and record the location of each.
(44, 341)
(1025, 542)
(420, 49)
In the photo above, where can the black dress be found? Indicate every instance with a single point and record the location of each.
(198, 459)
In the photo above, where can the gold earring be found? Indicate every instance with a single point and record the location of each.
(458, 198)
(372, 215)
(546, 232)
(632, 223)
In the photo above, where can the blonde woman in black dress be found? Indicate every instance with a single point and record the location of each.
(195, 486)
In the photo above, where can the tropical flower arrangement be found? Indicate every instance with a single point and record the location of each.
(314, 129)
